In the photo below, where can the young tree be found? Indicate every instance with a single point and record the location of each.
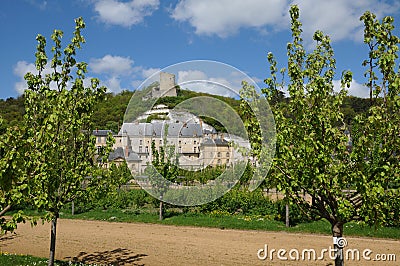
(59, 108)
(312, 150)
(165, 163)
(311, 155)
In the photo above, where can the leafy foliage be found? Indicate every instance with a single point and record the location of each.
(376, 142)
(312, 150)
(62, 160)
(14, 181)
(109, 112)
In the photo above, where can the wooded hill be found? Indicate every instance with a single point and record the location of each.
(109, 113)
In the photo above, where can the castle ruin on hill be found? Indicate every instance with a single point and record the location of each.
(167, 86)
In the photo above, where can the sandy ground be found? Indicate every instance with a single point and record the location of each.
(108, 243)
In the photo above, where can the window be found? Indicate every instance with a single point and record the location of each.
(180, 149)
(195, 142)
(219, 161)
(219, 154)
(140, 142)
(98, 139)
(147, 149)
(140, 149)
(227, 154)
(194, 149)
(160, 141)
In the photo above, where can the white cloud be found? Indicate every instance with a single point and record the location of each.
(226, 17)
(199, 81)
(125, 14)
(115, 65)
(115, 71)
(111, 70)
(339, 18)
(21, 69)
(190, 75)
(146, 73)
(113, 84)
(356, 89)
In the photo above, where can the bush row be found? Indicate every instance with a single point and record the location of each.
(238, 201)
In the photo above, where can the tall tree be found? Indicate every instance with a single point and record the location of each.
(312, 149)
(59, 108)
(311, 155)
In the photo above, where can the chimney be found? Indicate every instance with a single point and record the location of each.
(126, 152)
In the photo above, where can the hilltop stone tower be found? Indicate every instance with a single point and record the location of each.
(167, 86)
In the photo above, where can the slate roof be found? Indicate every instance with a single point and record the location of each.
(116, 154)
(119, 153)
(207, 131)
(215, 142)
(133, 157)
(157, 129)
(102, 132)
(221, 142)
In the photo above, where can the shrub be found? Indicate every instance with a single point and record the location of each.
(241, 201)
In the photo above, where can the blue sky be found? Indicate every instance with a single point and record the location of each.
(127, 41)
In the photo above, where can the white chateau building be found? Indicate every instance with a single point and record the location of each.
(196, 144)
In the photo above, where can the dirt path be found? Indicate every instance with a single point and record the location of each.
(149, 244)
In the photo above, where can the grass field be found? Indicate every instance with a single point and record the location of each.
(222, 220)
(218, 220)
(26, 260)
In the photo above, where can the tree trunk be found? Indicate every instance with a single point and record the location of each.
(339, 244)
(53, 240)
(161, 210)
(287, 215)
(72, 208)
(5, 210)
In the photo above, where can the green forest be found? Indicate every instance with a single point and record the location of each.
(109, 112)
